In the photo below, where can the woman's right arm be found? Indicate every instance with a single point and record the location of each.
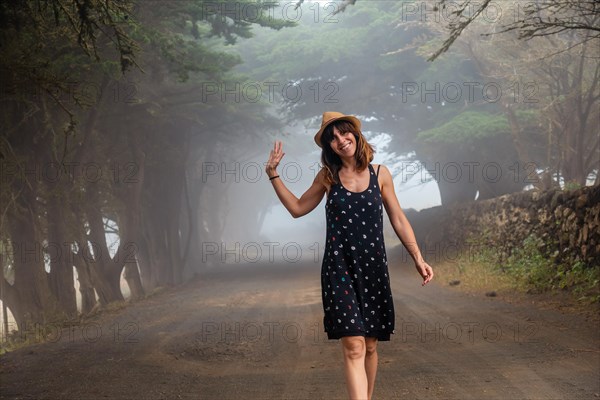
(309, 200)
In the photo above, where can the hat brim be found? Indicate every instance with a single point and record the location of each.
(353, 120)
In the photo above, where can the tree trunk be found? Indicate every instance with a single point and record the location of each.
(521, 148)
(32, 301)
(454, 188)
(107, 284)
(61, 266)
(162, 228)
(132, 276)
(10, 300)
(105, 273)
(134, 215)
(86, 289)
(148, 269)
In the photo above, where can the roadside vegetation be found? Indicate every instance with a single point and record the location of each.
(528, 270)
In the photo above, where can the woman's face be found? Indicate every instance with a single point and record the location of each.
(344, 144)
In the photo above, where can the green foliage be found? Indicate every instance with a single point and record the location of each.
(473, 125)
(529, 266)
(571, 185)
(470, 125)
(89, 27)
(324, 41)
(535, 271)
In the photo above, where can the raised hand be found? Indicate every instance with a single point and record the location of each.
(274, 158)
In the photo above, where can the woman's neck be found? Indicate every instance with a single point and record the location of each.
(349, 165)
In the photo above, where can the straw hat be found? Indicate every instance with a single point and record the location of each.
(331, 116)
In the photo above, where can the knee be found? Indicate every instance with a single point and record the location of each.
(354, 348)
(371, 348)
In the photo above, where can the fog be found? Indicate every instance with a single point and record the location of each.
(161, 129)
(416, 192)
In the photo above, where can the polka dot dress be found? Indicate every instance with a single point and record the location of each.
(356, 293)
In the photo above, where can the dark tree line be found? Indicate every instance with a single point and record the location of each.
(103, 116)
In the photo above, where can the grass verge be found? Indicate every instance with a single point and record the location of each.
(527, 273)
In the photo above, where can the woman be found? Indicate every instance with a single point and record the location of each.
(356, 293)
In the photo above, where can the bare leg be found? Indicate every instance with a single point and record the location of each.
(371, 363)
(354, 349)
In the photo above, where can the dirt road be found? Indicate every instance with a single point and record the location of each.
(255, 332)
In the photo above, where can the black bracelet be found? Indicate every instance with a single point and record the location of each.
(273, 177)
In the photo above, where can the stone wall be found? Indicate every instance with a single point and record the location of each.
(571, 219)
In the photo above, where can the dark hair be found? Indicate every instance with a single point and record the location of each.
(331, 160)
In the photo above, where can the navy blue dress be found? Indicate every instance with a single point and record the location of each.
(355, 285)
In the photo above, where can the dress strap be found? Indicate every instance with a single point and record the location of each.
(377, 174)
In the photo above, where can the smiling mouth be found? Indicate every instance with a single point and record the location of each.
(344, 147)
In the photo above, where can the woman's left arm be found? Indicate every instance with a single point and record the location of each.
(401, 225)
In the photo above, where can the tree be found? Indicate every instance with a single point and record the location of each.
(116, 124)
(354, 63)
(532, 19)
(557, 75)
(481, 140)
